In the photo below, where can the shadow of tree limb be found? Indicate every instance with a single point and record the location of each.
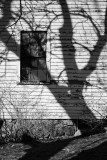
(73, 79)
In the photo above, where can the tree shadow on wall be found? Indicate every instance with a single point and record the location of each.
(5, 36)
(78, 77)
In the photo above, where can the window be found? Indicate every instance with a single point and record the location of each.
(33, 57)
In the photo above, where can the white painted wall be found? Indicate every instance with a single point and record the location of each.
(62, 100)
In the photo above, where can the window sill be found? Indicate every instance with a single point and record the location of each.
(32, 83)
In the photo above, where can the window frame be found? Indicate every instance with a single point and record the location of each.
(47, 58)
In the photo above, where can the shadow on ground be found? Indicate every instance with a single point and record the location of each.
(97, 153)
(80, 148)
(44, 151)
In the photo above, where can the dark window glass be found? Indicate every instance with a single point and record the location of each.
(33, 56)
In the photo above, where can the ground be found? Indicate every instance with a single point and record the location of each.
(89, 148)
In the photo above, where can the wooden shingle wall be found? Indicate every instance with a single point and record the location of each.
(76, 59)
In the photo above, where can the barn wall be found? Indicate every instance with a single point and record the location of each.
(74, 33)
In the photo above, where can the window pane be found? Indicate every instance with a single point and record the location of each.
(25, 38)
(38, 44)
(25, 62)
(25, 49)
(33, 45)
(34, 62)
(24, 74)
(42, 75)
(33, 76)
(41, 63)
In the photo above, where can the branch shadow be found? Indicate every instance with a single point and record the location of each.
(66, 29)
(79, 76)
(7, 38)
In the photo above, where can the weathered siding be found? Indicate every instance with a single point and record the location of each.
(77, 26)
